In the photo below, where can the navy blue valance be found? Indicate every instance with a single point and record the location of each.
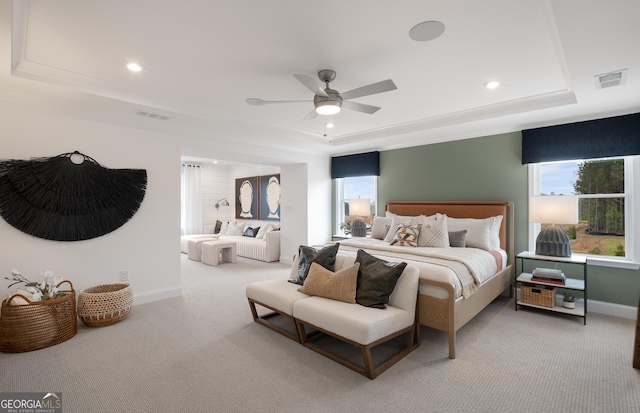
(361, 164)
(600, 138)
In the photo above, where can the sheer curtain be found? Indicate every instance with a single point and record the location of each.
(191, 201)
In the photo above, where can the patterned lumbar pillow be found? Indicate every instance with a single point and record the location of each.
(407, 235)
(434, 231)
(340, 285)
(326, 257)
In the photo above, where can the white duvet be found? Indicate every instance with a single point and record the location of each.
(463, 268)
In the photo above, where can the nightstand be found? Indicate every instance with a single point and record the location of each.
(574, 284)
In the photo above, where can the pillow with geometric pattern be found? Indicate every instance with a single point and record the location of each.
(434, 231)
(407, 235)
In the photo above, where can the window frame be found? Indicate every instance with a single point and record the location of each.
(632, 214)
(340, 199)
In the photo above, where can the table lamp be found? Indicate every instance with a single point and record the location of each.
(553, 209)
(359, 207)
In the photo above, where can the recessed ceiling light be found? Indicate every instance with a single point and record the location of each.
(425, 31)
(134, 67)
(492, 84)
(330, 125)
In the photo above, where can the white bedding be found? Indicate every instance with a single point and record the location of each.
(481, 264)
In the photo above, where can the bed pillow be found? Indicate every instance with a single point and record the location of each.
(433, 232)
(376, 279)
(481, 233)
(216, 229)
(326, 257)
(458, 239)
(406, 235)
(381, 227)
(340, 285)
(397, 220)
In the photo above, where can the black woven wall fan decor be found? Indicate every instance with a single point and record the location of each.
(69, 197)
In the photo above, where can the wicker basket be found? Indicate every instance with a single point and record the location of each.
(105, 304)
(38, 324)
(543, 296)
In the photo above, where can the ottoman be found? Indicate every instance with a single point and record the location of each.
(211, 251)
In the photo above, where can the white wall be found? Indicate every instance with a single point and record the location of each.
(147, 245)
(215, 186)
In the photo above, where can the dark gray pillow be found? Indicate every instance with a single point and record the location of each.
(217, 227)
(458, 238)
(307, 255)
(376, 279)
(251, 232)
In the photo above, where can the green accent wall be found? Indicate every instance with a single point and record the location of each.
(485, 169)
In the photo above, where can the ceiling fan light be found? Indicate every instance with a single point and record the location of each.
(327, 108)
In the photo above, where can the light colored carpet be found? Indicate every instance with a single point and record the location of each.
(202, 352)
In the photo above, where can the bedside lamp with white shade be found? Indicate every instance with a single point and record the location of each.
(554, 210)
(359, 207)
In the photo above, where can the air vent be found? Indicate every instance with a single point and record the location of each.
(611, 79)
(150, 115)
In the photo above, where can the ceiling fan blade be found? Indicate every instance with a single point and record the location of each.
(312, 115)
(372, 89)
(262, 102)
(360, 107)
(311, 84)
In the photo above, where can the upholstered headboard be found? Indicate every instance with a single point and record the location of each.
(462, 209)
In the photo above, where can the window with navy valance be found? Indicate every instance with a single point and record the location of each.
(361, 164)
(600, 138)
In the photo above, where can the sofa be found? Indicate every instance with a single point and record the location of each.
(265, 248)
(304, 318)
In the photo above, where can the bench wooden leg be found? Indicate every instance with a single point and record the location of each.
(275, 313)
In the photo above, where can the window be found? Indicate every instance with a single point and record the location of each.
(605, 189)
(353, 187)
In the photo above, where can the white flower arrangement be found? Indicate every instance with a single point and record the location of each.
(45, 290)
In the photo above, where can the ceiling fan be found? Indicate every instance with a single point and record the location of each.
(328, 101)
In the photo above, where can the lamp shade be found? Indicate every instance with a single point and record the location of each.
(554, 209)
(360, 206)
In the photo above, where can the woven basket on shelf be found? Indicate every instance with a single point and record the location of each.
(38, 324)
(544, 296)
(104, 304)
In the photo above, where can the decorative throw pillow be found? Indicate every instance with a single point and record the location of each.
(397, 220)
(308, 255)
(458, 238)
(380, 227)
(216, 230)
(263, 230)
(251, 232)
(340, 285)
(407, 235)
(235, 228)
(376, 279)
(434, 231)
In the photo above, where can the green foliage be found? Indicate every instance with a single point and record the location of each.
(602, 177)
(619, 252)
(571, 232)
(596, 251)
(568, 297)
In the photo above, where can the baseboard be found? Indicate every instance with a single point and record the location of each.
(156, 295)
(618, 310)
(286, 260)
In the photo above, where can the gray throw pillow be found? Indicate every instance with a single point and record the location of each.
(251, 232)
(376, 279)
(458, 238)
(308, 255)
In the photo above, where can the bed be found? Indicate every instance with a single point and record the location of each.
(444, 303)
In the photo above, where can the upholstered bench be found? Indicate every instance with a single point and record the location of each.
(358, 325)
(213, 250)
